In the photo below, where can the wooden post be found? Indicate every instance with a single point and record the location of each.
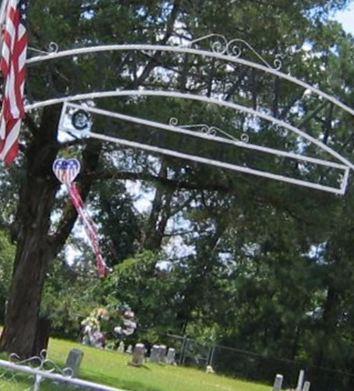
(306, 386)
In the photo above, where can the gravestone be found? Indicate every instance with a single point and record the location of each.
(155, 353)
(306, 386)
(130, 349)
(74, 361)
(278, 382)
(138, 355)
(209, 369)
(121, 347)
(162, 353)
(170, 358)
(300, 380)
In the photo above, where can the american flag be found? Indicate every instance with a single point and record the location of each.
(13, 61)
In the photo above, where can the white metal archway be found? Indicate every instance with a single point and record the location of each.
(227, 52)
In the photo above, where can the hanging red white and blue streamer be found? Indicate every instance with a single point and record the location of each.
(66, 170)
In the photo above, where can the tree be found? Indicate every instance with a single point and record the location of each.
(38, 238)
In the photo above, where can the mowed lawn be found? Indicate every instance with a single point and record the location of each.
(112, 369)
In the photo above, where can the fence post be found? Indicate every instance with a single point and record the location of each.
(37, 383)
(211, 356)
(306, 386)
(183, 348)
(278, 382)
(300, 380)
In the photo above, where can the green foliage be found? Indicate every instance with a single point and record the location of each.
(7, 253)
(120, 228)
(69, 297)
(150, 291)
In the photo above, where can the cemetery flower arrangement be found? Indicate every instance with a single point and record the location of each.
(92, 334)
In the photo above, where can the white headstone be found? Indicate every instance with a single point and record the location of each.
(300, 380)
(121, 347)
(130, 349)
(162, 353)
(209, 369)
(155, 353)
(306, 386)
(278, 382)
(74, 360)
(138, 355)
(170, 358)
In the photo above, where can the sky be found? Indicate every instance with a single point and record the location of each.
(346, 18)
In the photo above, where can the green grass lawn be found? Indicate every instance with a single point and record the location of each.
(111, 368)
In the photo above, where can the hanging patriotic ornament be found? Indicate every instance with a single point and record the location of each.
(66, 170)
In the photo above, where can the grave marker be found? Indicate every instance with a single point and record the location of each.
(162, 353)
(155, 353)
(74, 361)
(121, 347)
(278, 382)
(138, 355)
(170, 358)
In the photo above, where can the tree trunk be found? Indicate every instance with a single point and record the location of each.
(33, 250)
(160, 213)
(36, 246)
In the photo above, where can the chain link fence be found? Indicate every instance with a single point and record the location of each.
(252, 366)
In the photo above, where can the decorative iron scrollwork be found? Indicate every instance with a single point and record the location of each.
(209, 130)
(233, 48)
(53, 47)
(41, 362)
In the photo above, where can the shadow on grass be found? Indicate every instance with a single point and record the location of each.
(124, 384)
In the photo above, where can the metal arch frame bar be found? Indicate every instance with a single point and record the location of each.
(219, 164)
(185, 50)
(180, 130)
(172, 94)
(200, 159)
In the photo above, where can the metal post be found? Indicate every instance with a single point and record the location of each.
(306, 386)
(183, 348)
(37, 383)
(211, 356)
(3, 11)
(300, 380)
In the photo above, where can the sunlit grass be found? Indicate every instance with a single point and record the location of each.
(112, 369)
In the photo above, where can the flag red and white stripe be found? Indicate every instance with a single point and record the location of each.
(90, 228)
(13, 67)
